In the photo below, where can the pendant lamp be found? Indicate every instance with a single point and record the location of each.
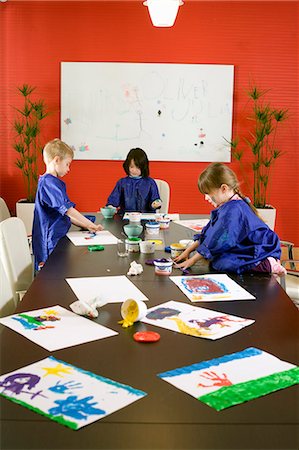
(163, 12)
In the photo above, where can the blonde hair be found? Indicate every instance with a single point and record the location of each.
(217, 174)
(56, 147)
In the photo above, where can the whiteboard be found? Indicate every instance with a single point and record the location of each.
(175, 112)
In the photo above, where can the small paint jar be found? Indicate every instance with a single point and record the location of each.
(147, 247)
(163, 266)
(158, 243)
(133, 310)
(186, 242)
(132, 244)
(134, 217)
(152, 228)
(164, 223)
(176, 249)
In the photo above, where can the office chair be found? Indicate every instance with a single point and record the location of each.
(164, 192)
(290, 282)
(15, 256)
(7, 301)
(4, 211)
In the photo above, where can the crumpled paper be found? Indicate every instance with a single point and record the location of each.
(88, 307)
(135, 268)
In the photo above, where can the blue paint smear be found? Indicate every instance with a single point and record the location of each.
(103, 379)
(247, 353)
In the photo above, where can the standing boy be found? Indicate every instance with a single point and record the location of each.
(54, 212)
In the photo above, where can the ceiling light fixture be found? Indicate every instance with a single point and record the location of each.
(163, 12)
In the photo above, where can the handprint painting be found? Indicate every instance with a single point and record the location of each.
(233, 379)
(66, 394)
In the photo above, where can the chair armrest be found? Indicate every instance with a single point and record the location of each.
(292, 266)
(290, 246)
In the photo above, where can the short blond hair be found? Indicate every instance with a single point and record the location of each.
(56, 147)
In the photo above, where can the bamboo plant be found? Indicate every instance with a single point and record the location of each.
(27, 127)
(261, 140)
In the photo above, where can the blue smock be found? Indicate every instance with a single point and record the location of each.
(50, 221)
(236, 239)
(134, 194)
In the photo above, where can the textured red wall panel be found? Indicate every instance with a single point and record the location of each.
(259, 38)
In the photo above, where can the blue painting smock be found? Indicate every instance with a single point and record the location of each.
(134, 194)
(50, 221)
(236, 239)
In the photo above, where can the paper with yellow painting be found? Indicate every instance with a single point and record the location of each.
(194, 321)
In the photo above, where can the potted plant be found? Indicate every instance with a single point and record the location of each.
(261, 141)
(27, 128)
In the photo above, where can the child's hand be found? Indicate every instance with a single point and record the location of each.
(185, 264)
(94, 228)
(182, 256)
(156, 204)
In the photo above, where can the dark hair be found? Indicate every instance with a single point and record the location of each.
(140, 159)
(217, 174)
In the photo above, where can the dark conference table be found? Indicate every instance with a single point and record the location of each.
(167, 418)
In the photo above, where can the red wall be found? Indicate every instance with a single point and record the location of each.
(259, 38)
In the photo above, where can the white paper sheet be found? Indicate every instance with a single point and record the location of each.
(114, 289)
(211, 288)
(234, 378)
(66, 394)
(194, 224)
(55, 327)
(86, 238)
(194, 321)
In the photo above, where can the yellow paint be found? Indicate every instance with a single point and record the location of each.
(186, 329)
(199, 297)
(55, 370)
(51, 312)
(130, 313)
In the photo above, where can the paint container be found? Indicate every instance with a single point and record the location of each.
(176, 249)
(133, 310)
(159, 244)
(132, 244)
(163, 266)
(152, 228)
(164, 222)
(186, 242)
(133, 229)
(147, 247)
(108, 211)
(134, 217)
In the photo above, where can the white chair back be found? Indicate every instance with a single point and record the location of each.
(4, 211)
(15, 255)
(7, 301)
(164, 191)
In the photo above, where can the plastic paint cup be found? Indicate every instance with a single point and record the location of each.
(186, 242)
(176, 249)
(133, 310)
(134, 217)
(164, 223)
(163, 266)
(108, 212)
(147, 247)
(132, 245)
(152, 228)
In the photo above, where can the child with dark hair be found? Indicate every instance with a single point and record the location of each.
(137, 191)
(236, 239)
